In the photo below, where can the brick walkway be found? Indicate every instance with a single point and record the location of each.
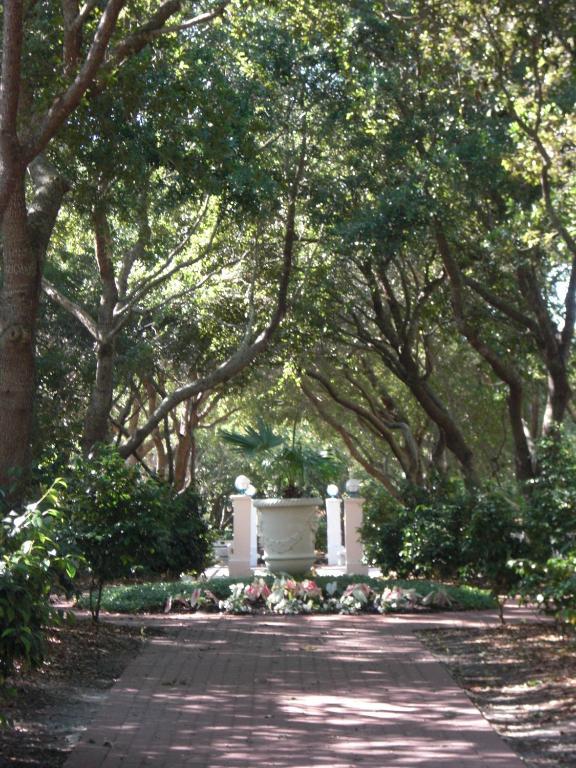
(338, 691)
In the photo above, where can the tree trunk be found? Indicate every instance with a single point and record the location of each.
(97, 419)
(184, 447)
(523, 456)
(25, 238)
(193, 460)
(453, 437)
(558, 395)
(18, 314)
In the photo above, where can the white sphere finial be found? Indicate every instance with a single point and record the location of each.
(353, 486)
(242, 483)
(332, 490)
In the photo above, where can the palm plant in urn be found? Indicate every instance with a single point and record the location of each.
(292, 477)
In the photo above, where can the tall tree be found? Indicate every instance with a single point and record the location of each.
(34, 107)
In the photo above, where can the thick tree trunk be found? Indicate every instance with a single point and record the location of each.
(183, 449)
(193, 460)
(25, 238)
(18, 314)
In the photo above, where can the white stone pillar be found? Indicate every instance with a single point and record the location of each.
(239, 562)
(253, 535)
(353, 506)
(334, 530)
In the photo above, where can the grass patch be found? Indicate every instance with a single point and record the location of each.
(151, 597)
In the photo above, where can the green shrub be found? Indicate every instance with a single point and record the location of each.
(492, 540)
(124, 525)
(30, 564)
(446, 531)
(552, 585)
(548, 566)
(422, 534)
(381, 531)
(550, 514)
(187, 547)
(434, 528)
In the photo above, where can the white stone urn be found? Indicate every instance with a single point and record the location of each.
(287, 531)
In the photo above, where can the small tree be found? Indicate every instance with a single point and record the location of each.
(492, 540)
(123, 525)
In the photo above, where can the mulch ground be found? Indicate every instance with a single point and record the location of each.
(523, 679)
(47, 709)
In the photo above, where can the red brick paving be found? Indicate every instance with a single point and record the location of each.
(291, 692)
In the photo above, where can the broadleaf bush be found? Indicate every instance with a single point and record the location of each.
(31, 563)
(126, 526)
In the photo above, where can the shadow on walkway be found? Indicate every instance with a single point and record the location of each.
(292, 692)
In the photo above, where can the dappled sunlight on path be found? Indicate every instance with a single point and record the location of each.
(228, 692)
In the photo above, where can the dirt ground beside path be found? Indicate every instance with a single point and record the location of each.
(523, 678)
(47, 709)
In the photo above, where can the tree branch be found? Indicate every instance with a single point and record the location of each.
(153, 28)
(503, 306)
(350, 443)
(50, 188)
(65, 103)
(70, 306)
(246, 353)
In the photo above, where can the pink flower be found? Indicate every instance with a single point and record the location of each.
(252, 592)
(310, 588)
(258, 589)
(265, 591)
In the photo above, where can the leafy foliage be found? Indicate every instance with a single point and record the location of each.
(423, 534)
(123, 525)
(448, 531)
(135, 598)
(548, 568)
(550, 514)
(551, 585)
(260, 438)
(382, 530)
(287, 469)
(31, 564)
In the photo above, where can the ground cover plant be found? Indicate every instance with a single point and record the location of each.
(235, 595)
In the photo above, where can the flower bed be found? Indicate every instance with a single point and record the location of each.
(186, 594)
(286, 596)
